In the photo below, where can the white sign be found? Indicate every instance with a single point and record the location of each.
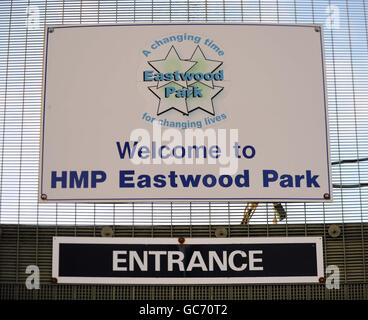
(193, 112)
(187, 261)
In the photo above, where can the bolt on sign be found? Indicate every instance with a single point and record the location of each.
(162, 112)
(187, 261)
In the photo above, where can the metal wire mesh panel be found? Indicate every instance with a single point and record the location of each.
(21, 45)
(21, 246)
(22, 24)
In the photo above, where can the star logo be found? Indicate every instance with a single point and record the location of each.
(171, 102)
(185, 85)
(203, 65)
(205, 103)
(170, 64)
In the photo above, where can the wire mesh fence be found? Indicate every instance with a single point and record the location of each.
(21, 246)
(21, 45)
(22, 25)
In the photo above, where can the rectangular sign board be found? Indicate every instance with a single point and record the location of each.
(196, 261)
(192, 112)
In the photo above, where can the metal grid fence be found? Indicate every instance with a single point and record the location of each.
(21, 246)
(28, 226)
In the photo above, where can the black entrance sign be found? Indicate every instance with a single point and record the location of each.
(200, 260)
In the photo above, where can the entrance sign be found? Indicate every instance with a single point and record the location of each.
(196, 261)
(193, 112)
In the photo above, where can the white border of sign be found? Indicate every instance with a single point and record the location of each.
(188, 241)
(126, 200)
